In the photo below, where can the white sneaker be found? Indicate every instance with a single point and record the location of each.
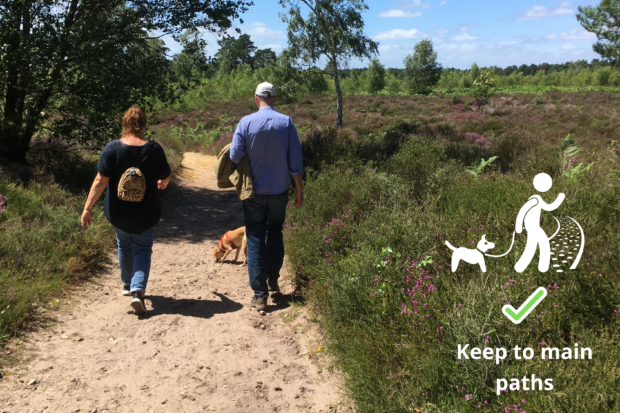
(126, 291)
(138, 305)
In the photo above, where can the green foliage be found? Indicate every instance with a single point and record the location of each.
(376, 76)
(264, 58)
(483, 89)
(602, 20)
(395, 315)
(69, 71)
(474, 72)
(333, 29)
(573, 75)
(476, 170)
(236, 51)
(191, 65)
(421, 69)
(570, 171)
(539, 100)
(287, 78)
(42, 247)
(568, 142)
(576, 173)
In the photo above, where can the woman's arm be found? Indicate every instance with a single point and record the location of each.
(99, 185)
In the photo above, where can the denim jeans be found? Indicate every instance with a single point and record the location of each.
(264, 216)
(134, 258)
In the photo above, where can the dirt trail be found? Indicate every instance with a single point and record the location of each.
(201, 347)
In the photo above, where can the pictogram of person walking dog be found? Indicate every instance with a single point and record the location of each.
(567, 248)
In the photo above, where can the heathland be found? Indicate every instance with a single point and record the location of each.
(383, 194)
(405, 174)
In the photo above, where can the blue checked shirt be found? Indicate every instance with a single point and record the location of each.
(270, 140)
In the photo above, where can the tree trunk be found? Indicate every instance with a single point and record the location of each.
(13, 116)
(338, 91)
(20, 124)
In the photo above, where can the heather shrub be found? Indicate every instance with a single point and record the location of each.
(375, 270)
(42, 247)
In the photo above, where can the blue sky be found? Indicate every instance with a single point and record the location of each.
(499, 33)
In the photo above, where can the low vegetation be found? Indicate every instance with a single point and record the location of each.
(42, 247)
(407, 173)
(368, 247)
(383, 194)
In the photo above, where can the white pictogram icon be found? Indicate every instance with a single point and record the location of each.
(566, 249)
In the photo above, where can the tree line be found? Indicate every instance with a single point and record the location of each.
(68, 69)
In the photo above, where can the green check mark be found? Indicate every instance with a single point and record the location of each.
(516, 316)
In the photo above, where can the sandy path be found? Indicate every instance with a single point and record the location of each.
(201, 348)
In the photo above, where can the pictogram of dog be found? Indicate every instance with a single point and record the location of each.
(471, 256)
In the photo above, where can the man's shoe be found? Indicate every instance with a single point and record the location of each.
(139, 308)
(260, 302)
(126, 290)
(272, 285)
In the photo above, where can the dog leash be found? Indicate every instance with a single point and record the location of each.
(513, 243)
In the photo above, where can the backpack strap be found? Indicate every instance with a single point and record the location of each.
(151, 145)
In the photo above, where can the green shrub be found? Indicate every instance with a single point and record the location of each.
(42, 247)
(417, 161)
(483, 89)
(374, 265)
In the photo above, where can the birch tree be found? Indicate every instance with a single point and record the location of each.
(333, 29)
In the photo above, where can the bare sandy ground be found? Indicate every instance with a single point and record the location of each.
(200, 348)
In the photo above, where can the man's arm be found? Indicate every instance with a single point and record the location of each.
(299, 193)
(295, 158)
(295, 163)
(237, 149)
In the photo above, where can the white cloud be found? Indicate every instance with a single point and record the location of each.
(578, 33)
(400, 13)
(441, 31)
(276, 47)
(417, 3)
(260, 31)
(465, 37)
(540, 12)
(569, 46)
(456, 47)
(406, 10)
(508, 43)
(443, 3)
(399, 34)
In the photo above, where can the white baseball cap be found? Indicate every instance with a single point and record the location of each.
(265, 90)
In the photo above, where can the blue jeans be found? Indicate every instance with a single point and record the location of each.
(264, 216)
(134, 258)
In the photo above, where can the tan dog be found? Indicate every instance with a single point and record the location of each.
(230, 241)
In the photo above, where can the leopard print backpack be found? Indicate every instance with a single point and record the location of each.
(132, 185)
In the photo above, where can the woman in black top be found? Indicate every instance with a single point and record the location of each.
(134, 222)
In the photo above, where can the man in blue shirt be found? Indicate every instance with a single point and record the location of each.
(270, 140)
